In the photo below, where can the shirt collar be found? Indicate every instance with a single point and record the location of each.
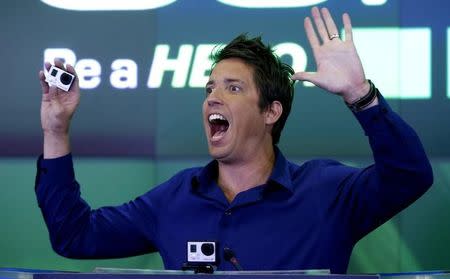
(280, 175)
(205, 178)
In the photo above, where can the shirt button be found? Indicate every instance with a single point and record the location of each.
(228, 212)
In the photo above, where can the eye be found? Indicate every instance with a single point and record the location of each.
(235, 88)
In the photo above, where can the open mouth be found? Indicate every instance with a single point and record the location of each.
(219, 125)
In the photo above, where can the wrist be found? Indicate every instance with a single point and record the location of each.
(55, 134)
(367, 100)
(357, 93)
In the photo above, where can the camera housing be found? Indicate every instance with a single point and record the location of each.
(59, 78)
(201, 252)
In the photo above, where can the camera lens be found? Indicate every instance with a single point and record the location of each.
(207, 249)
(65, 78)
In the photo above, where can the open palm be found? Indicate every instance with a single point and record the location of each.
(339, 69)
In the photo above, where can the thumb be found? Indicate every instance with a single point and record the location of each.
(305, 76)
(52, 92)
(51, 96)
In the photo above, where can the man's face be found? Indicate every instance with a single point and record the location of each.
(234, 124)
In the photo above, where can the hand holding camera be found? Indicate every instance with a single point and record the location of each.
(60, 97)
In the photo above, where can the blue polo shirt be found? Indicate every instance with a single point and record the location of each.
(306, 216)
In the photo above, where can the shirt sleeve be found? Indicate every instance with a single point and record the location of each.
(77, 231)
(400, 175)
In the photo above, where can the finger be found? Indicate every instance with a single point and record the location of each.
(320, 25)
(311, 35)
(52, 92)
(348, 27)
(71, 70)
(44, 85)
(59, 63)
(50, 95)
(331, 26)
(47, 65)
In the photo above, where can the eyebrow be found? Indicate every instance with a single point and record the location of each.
(230, 80)
(227, 81)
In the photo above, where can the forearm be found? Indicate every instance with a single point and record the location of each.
(397, 149)
(75, 230)
(402, 171)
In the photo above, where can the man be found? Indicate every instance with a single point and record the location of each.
(272, 213)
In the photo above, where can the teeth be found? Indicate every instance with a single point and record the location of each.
(216, 116)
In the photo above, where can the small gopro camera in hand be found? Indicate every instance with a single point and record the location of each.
(59, 78)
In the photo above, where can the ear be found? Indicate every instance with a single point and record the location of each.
(273, 112)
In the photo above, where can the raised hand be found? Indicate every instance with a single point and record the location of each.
(339, 69)
(57, 109)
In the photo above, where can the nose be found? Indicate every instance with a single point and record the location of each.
(214, 98)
